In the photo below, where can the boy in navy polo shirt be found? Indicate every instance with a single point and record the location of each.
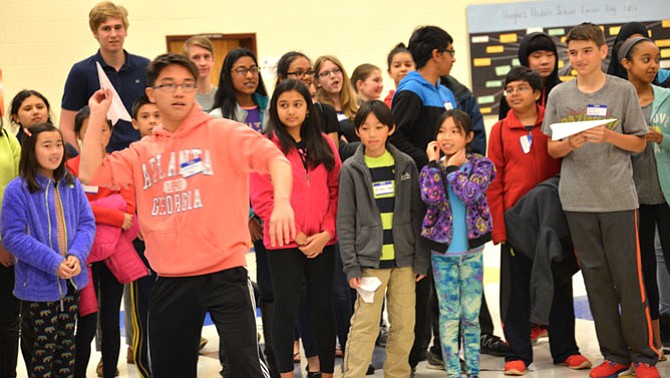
(109, 24)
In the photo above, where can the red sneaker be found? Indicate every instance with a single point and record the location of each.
(643, 370)
(608, 369)
(515, 367)
(537, 332)
(577, 362)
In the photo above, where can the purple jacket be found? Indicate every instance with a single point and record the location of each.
(30, 233)
(470, 186)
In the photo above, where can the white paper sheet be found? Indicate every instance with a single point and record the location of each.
(565, 129)
(117, 111)
(368, 287)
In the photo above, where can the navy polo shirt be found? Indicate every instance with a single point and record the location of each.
(129, 82)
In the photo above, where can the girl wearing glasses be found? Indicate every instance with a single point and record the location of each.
(241, 96)
(333, 87)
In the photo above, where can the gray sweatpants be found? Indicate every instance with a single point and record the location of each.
(608, 251)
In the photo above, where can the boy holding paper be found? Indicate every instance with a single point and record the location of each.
(518, 148)
(598, 195)
(378, 223)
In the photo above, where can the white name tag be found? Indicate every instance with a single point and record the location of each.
(192, 167)
(90, 189)
(526, 142)
(596, 110)
(382, 188)
(448, 105)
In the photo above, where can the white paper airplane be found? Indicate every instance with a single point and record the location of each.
(117, 111)
(565, 129)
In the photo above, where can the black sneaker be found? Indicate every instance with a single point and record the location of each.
(492, 345)
(371, 370)
(435, 361)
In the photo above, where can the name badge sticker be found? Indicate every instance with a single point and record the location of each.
(191, 167)
(448, 105)
(596, 110)
(90, 189)
(382, 188)
(526, 141)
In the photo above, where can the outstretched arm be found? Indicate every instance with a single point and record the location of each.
(282, 219)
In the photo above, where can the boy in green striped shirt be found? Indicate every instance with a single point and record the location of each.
(378, 224)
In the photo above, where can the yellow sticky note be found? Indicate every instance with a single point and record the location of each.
(665, 53)
(497, 49)
(486, 110)
(563, 39)
(614, 30)
(602, 28)
(663, 42)
(665, 23)
(482, 62)
(508, 38)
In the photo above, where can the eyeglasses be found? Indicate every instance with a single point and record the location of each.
(301, 74)
(242, 71)
(521, 90)
(171, 87)
(451, 52)
(325, 74)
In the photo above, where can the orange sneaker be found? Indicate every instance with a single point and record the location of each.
(515, 367)
(643, 370)
(577, 362)
(608, 369)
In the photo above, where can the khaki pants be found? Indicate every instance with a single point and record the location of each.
(398, 285)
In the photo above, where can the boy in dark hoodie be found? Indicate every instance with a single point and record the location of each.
(538, 52)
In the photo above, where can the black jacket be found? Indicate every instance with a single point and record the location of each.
(537, 229)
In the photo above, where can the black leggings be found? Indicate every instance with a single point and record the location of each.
(109, 292)
(651, 218)
(287, 267)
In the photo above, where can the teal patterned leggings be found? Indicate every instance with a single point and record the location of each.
(458, 283)
(54, 325)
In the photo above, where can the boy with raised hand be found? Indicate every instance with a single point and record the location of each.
(378, 221)
(598, 195)
(192, 180)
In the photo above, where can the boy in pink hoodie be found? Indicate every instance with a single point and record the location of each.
(192, 188)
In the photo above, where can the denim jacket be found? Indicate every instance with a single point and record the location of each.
(470, 186)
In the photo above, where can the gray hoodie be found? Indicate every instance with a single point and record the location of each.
(359, 224)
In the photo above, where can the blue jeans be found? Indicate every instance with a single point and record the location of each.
(458, 283)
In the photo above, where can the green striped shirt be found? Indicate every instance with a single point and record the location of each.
(382, 170)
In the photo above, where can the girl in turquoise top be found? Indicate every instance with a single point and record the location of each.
(640, 57)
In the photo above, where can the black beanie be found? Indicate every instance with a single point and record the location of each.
(541, 42)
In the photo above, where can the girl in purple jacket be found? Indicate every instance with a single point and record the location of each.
(48, 226)
(456, 226)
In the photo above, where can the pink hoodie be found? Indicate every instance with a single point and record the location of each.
(314, 197)
(192, 188)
